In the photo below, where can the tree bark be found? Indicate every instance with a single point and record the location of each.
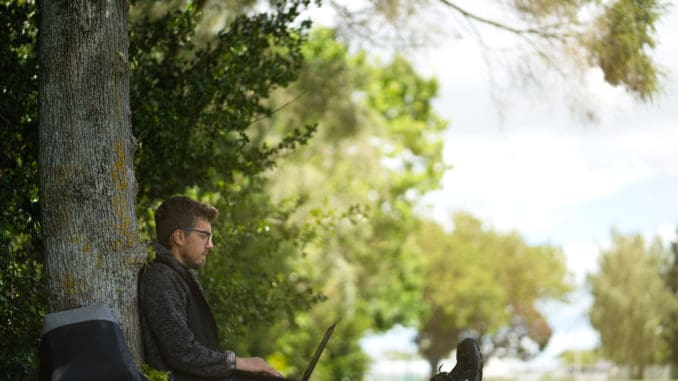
(87, 184)
(433, 364)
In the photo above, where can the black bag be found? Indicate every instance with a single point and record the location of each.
(85, 344)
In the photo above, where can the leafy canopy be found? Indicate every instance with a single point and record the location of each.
(377, 149)
(21, 271)
(631, 301)
(482, 283)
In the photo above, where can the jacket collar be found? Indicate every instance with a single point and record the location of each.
(165, 256)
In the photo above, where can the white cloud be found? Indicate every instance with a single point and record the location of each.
(519, 180)
(667, 233)
(582, 258)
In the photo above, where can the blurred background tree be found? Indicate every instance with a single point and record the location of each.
(378, 149)
(485, 284)
(631, 301)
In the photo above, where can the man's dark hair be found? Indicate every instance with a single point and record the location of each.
(180, 212)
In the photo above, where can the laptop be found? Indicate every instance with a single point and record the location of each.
(307, 373)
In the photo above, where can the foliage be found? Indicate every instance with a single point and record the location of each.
(195, 104)
(482, 283)
(622, 39)
(154, 374)
(249, 280)
(630, 301)
(378, 148)
(21, 303)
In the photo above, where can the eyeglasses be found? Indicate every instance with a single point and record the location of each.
(204, 234)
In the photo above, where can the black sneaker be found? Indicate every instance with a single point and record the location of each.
(469, 364)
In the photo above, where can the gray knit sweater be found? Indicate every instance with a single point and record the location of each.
(177, 326)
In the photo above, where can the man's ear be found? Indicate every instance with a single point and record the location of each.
(177, 237)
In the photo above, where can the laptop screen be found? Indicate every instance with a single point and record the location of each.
(318, 352)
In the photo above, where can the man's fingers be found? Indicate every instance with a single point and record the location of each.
(273, 372)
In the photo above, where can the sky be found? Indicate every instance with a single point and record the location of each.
(524, 159)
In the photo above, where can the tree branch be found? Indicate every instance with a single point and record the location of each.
(279, 108)
(529, 31)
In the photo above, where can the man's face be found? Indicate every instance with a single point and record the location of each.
(194, 243)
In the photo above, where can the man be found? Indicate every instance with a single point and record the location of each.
(177, 325)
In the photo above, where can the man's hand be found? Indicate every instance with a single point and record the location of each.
(255, 365)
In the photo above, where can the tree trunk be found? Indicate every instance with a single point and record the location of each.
(637, 372)
(87, 184)
(433, 363)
